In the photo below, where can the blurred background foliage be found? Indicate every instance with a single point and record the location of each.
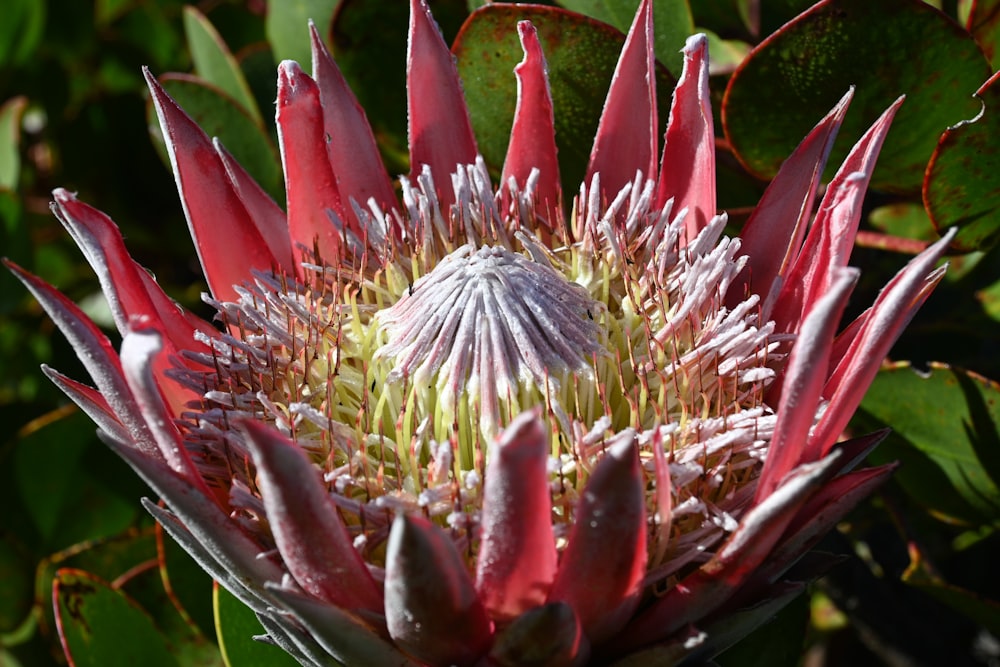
(83, 571)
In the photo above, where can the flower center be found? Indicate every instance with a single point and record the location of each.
(493, 332)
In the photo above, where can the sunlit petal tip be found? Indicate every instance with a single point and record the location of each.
(892, 311)
(517, 556)
(129, 289)
(431, 606)
(351, 148)
(215, 215)
(90, 401)
(532, 138)
(440, 131)
(310, 186)
(689, 143)
(830, 240)
(139, 355)
(601, 570)
(99, 358)
(311, 537)
(546, 636)
(773, 234)
(626, 137)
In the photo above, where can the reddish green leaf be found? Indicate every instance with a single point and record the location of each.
(886, 49)
(962, 185)
(949, 445)
(235, 626)
(581, 55)
(103, 627)
(984, 24)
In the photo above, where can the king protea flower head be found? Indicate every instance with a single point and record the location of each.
(463, 426)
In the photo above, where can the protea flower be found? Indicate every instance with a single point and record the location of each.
(467, 427)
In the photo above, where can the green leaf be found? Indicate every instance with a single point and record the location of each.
(288, 26)
(235, 626)
(672, 24)
(962, 186)
(581, 54)
(945, 433)
(101, 627)
(214, 63)
(21, 30)
(220, 116)
(886, 49)
(65, 500)
(15, 595)
(10, 139)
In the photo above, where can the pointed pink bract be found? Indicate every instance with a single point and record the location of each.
(828, 245)
(517, 555)
(802, 386)
(351, 148)
(627, 134)
(440, 130)
(266, 215)
(431, 606)
(772, 236)
(601, 570)
(687, 167)
(310, 535)
(215, 215)
(310, 187)
(532, 138)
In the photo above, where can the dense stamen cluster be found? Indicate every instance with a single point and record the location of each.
(396, 376)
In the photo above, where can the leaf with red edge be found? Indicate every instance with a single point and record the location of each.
(103, 627)
(962, 184)
(581, 54)
(886, 49)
